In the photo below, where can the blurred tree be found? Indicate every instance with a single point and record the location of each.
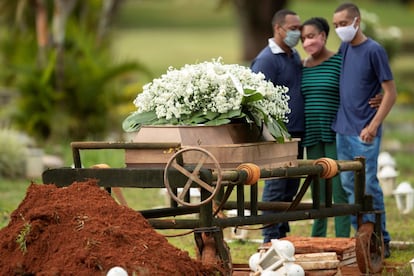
(255, 19)
(56, 53)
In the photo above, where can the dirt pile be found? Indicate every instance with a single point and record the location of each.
(81, 230)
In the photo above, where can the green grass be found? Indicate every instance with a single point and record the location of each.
(12, 192)
(196, 14)
(199, 14)
(165, 47)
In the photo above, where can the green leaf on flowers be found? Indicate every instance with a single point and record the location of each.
(255, 118)
(248, 91)
(283, 127)
(231, 114)
(211, 115)
(198, 114)
(163, 121)
(194, 120)
(257, 115)
(217, 122)
(134, 121)
(251, 96)
(198, 120)
(278, 130)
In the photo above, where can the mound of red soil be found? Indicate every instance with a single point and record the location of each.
(81, 230)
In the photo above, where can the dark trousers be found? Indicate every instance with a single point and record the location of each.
(280, 189)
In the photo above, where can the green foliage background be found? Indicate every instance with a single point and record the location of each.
(79, 101)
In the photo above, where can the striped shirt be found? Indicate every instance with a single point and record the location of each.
(320, 89)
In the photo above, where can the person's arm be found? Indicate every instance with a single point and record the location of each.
(375, 102)
(388, 100)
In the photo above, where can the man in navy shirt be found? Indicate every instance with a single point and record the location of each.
(281, 64)
(365, 72)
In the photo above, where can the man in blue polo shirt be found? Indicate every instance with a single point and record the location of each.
(281, 64)
(365, 73)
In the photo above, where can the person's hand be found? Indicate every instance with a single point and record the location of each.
(375, 102)
(367, 136)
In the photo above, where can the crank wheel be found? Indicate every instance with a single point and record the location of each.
(198, 157)
(369, 249)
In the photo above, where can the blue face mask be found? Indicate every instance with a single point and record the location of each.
(292, 38)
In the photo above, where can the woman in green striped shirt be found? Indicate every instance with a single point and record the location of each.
(320, 89)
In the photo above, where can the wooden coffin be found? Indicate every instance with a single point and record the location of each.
(231, 145)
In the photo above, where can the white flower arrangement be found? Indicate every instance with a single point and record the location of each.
(211, 93)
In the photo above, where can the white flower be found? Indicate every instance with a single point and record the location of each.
(210, 93)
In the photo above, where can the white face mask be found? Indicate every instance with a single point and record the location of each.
(347, 33)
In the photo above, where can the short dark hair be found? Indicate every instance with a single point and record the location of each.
(320, 23)
(279, 16)
(351, 8)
